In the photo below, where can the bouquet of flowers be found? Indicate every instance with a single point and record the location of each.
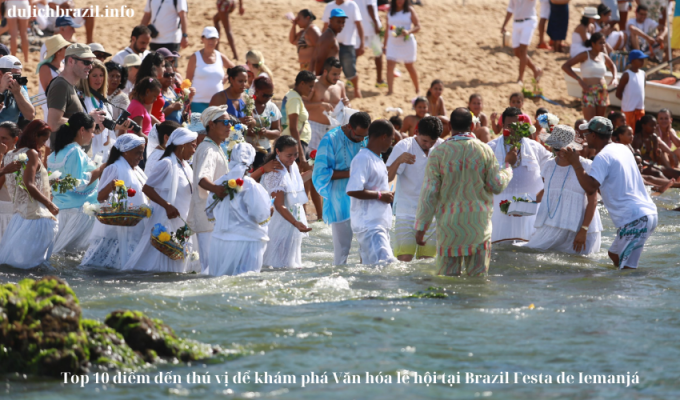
(19, 175)
(182, 92)
(232, 186)
(518, 131)
(91, 209)
(235, 137)
(398, 31)
(120, 195)
(312, 157)
(62, 185)
(548, 121)
(173, 245)
(504, 205)
(119, 214)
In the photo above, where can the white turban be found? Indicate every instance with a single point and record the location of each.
(128, 142)
(242, 157)
(212, 113)
(181, 136)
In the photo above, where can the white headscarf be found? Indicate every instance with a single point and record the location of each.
(128, 142)
(154, 141)
(181, 136)
(242, 157)
(212, 113)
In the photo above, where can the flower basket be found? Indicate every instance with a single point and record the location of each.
(118, 217)
(522, 208)
(171, 249)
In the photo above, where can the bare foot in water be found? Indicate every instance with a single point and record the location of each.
(661, 189)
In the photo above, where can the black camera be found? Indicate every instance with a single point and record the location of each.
(21, 80)
(111, 124)
(154, 31)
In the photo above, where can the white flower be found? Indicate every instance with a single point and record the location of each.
(475, 120)
(194, 256)
(55, 175)
(98, 160)
(310, 162)
(21, 158)
(90, 209)
(532, 129)
(553, 120)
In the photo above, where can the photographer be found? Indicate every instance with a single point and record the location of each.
(167, 21)
(14, 100)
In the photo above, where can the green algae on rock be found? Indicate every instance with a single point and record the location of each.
(42, 333)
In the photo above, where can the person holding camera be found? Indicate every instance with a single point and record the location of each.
(167, 21)
(13, 96)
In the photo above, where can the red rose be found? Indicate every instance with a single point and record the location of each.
(312, 155)
(506, 132)
(178, 90)
(391, 27)
(523, 119)
(239, 182)
(254, 97)
(132, 192)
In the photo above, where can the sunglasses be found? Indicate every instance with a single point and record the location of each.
(85, 62)
(169, 75)
(225, 122)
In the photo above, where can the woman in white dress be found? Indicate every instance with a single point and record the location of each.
(567, 219)
(158, 138)
(9, 135)
(289, 223)
(50, 67)
(69, 158)
(401, 17)
(240, 236)
(29, 238)
(112, 246)
(98, 81)
(169, 189)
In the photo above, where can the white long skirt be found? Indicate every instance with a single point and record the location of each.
(75, 228)
(235, 257)
(28, 243)
(285, 243)
(557, 239)
(6, 214)
(113, 248)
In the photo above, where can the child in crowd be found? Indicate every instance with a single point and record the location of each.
(517, 101)
(616, 118)
(631, 89)
(397, 122)
(408, 160)
(651, 148)
(420, 106)
(476, 105)
(142, 98)
(369, 191)
(586, 152)
(539, 129)
(435, 100)
(288, 225)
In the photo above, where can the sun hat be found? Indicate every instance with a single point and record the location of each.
(338, 13)
(600, 125)
(98, 47)
(54, 44)
(591, 12)
(65, 21)
(209, 32)
(132, 60)
(636, 55)
(10, 62)
(79, 50)
(562, 137)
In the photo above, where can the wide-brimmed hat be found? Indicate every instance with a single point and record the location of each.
(98, 47)
(562, 137)
(54, 44)
(79, 50)
(132, 60)
(591, 12)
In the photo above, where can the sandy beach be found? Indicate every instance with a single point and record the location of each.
(464, 50)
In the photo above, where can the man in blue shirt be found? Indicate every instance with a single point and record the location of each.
(331, 174)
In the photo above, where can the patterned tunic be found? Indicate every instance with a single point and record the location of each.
(461, 177)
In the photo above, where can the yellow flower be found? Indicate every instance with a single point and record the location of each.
(147, 210)
(232, 183)
(164, 237)
(186, 84)
(120, 183)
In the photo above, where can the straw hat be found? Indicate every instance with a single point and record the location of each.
(563, 136)
(54, 44)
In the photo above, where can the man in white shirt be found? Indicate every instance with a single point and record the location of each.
(615, 174)
(169, 18)
(523, 27)
(643, 27)
(64, 27)
(370, 196)
(351, 39)
(139, 40)
(370, 20)
(408, 161)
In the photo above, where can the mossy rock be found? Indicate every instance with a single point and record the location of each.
(42, 333)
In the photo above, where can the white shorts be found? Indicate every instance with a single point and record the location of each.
(522, 32)
(623, 7)
(613, 40)
(545, 9)
(631, 238)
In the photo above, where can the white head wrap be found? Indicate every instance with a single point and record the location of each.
(181, 136)
(212, 113)
(242, 157)
(154, 141)
(128, 142)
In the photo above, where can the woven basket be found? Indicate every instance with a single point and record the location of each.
(171, 249)
(109, 216)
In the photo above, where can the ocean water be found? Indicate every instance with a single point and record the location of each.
(536, 315)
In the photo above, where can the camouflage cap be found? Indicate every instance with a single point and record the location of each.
(600, 125)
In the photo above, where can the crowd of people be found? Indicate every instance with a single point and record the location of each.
(221, 169)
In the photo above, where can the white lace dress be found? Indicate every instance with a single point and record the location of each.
(285, 240)
(29, 238)
(6, 209)
(560, 215)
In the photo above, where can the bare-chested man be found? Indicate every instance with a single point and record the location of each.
(327, 45)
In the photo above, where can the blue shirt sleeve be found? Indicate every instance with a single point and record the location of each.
(324, 166)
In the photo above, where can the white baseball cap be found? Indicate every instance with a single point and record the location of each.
(10, 62)
(209, 32)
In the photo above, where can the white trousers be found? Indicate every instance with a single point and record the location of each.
(204, 250)
(374, 246)
(342, 241)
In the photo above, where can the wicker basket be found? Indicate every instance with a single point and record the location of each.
(110, 216)
(171, 249)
